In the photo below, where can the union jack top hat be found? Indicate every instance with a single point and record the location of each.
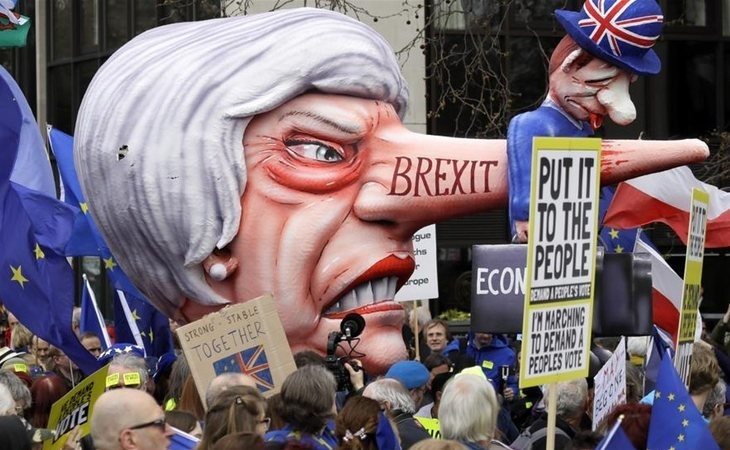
(621, 32)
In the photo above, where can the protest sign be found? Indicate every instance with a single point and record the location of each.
(561, 255)
(498, 288)
(75, 408)
(692, 286)
(244, 338)
(610, 384)
(423, 283)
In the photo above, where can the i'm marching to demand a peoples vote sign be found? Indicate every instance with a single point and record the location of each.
(561, 255)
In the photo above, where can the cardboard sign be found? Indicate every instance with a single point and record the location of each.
(245, 338)
(424, 282)
(691, 289)
(610, 384)
(561, 256)
(75, 408)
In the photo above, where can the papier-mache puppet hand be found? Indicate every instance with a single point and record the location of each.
(608, 44)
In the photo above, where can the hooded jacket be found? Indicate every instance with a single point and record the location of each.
(492, 358)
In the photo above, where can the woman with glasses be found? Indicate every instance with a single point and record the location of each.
(238, 409)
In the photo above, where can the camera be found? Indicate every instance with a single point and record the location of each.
(350, 328)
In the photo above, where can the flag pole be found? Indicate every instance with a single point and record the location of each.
(41, 66)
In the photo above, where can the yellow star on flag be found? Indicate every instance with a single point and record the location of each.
(142, 333)
(613, 233)
(681, 408)
(38, 252)
(109, 263)
(670, 397)
(18, 276)
(685, 423)
(657, 394)
(619, 249)
(152, 336)
(84, 207)
(680, 438)
(135, 316)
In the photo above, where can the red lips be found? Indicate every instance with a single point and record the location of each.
(386, 267)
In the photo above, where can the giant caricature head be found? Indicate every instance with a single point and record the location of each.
(271, 144)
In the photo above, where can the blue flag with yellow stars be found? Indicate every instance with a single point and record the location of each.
(675, 422)
(614, 240)
(142, 324)
(36, 280)
(83, 241)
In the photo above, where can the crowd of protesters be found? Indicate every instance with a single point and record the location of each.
(460, 393)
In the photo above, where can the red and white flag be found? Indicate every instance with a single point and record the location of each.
(666, 290)
(666, 197)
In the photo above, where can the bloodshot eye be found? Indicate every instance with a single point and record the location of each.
(316, 151)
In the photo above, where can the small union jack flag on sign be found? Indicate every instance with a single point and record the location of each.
(613, 25)
(251, 362)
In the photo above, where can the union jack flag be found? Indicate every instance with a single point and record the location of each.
(615, 22)
(251, 362)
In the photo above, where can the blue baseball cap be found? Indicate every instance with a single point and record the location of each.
(411, 374)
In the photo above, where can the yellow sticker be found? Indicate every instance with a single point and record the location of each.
(20, 368)
(131, 378)
(528, 405)
(112, 380)
(487, 364)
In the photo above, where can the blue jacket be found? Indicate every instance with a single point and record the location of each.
(548, 120)
(491, 359)
(452, 346)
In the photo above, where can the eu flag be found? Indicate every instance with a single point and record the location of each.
(252, 362)
(614, 240)
(83, 241)
(36, 281)
(675, 421)
(138, 322)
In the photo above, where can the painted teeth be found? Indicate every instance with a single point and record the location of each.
(368, 293)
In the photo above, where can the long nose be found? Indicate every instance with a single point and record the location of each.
(414, 180)
(617, 101)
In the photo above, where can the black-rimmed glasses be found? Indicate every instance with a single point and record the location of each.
(159, 423)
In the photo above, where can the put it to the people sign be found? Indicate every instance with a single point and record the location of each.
(561, 255)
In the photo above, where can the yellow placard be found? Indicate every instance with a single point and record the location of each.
(431, 425)
(561, 259)
(20, 368)
(692, 283)
(487, 364)
(75, 409)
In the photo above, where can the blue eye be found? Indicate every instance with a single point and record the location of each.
(315, 151)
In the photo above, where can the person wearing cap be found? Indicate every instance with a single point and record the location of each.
(398, 404)
(607, 46)
(414, 376)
